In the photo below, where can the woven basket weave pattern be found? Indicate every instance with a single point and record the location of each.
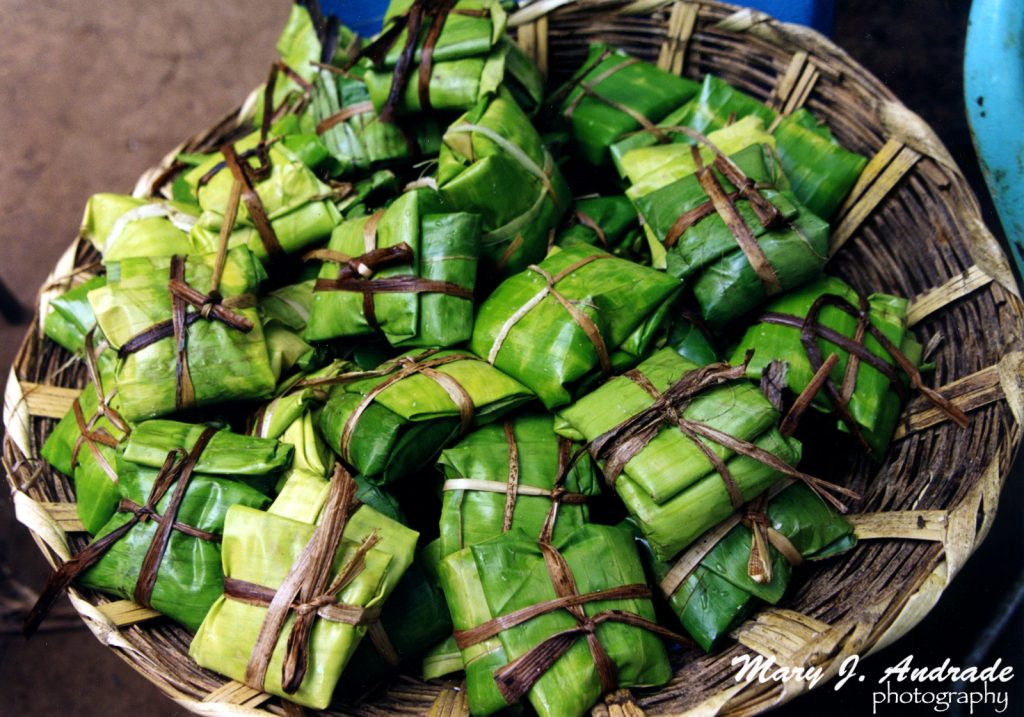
(911, 227)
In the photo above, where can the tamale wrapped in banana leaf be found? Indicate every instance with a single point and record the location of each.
(220, 352)
(614, 94)
(512, 573)
(734, 248)
(396, 421)
(442, 659)
(438, 57)
(71, 319)
(869, 386)
(579, 313)
(820, 170)
(651, 168)
(83, 446)
(408, 271)
(353, 132)
(684, 446)
(689, 337)
(503, 476)
(348, 564)
(122, 226)
(712, 593)
(606, 222)
(494, 145)
(285, 313)
(278, 204)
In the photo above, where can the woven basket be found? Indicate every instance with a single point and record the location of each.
(911, 226)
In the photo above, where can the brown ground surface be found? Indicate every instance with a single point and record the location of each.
(93, 94)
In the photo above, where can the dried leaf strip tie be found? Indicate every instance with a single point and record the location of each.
(403, 367)
(617, 446)
(89, 435)
(178, 466)
(516, 678)
(811, 330)
(308, 591)
(357, 274)
(513, 489)
(582, 320)
(208, 307)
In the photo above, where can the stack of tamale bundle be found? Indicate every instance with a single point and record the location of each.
(747, 559)
(396, 420)
(495, 145)
(683, 446)
(578, 314)
(408, 271)
(877, 356)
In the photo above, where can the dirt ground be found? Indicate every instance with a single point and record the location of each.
(93, 94)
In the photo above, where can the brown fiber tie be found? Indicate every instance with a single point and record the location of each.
(88, 434)
(581, 319)
(308, 591)
(402, 368)
(178, 466)
(811, 330)
(516, 678)
(617, 446)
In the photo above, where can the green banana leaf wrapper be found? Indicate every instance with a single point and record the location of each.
(122, 226)
(261, 548)
(651, 168)
(96, 491)
(189, 578)
(508, 573)
(619, 81)
(495, 145)
(618, 229)
(707, 256)
(71, 318)
(405, 426)
(690, 339)
(416, 616)
(820, 170)
(445, 248)
(471, 59)
(285, 313)
(720, 593)
(224, 363)
(443, 659)
(670, 487)
(363, 142)
(875, 403)
(292, 196)
(546, 348)
(470, 517)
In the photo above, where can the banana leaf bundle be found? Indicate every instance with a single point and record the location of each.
(277, 204)
(70, 320)
(684, 446)
(581, 312)
(494, 145)
(689, 337)
(348, 564)
(285, 313)
(397, 420)
(220, 352)
(866, 388)
(614, 94)
(161, 548)
(352, 131)
(446, 56)
(750, 559)
(506, 661)
(407, 271)
(820, 170)
(122, 226)
(83, 446)
(443, 659)
(734, 248)
(513, 475)
(606, 222)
